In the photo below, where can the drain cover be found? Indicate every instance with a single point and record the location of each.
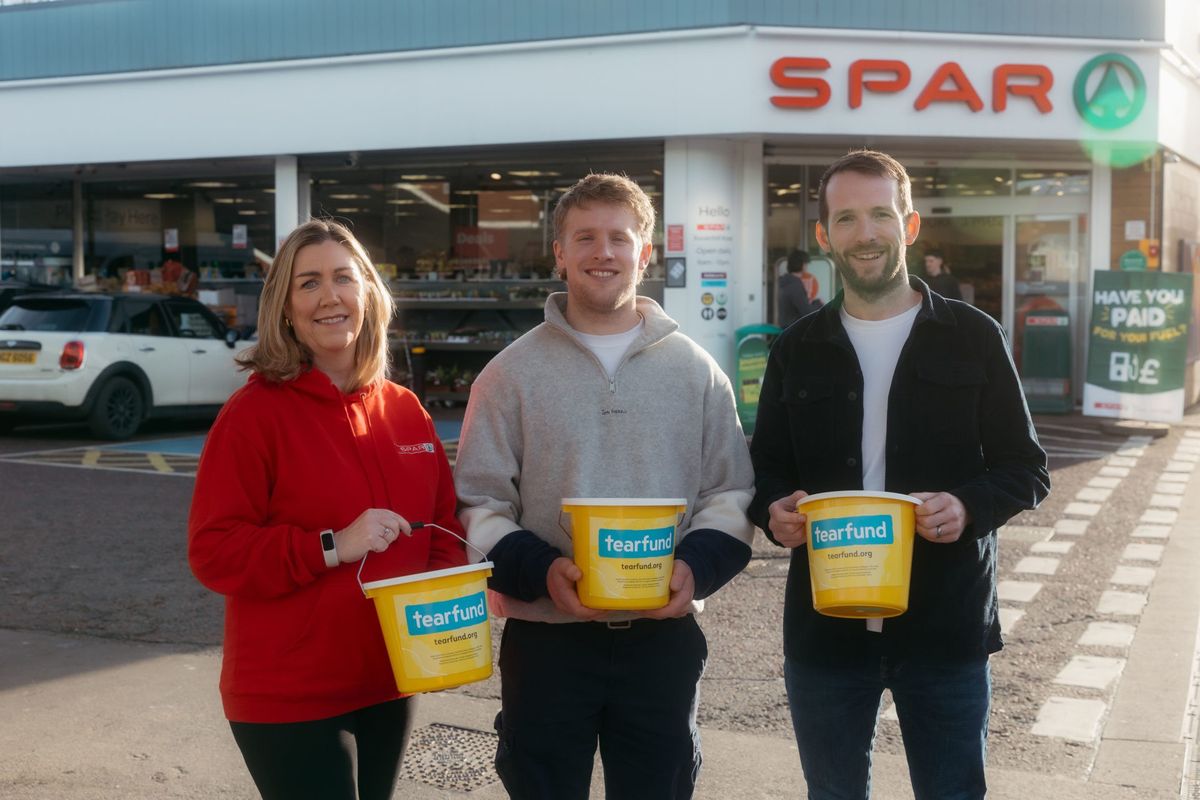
(450, 757)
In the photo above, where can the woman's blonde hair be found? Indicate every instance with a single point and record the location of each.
(279, 355)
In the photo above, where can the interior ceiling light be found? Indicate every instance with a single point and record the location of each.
(212, 185)
(248, 212)
(403, 202)
(422, 177)
(349, 210)
(496, 176)
(531, 173)
(162, 196)
(350, 197)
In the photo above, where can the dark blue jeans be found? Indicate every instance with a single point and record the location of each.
(943, 710)
(567, 687)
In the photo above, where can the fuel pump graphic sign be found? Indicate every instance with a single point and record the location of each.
(1138, 345)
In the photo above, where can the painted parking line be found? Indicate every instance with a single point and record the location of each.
(1090, 672)
(1070, 718)
(1071, 527)
(1107, 634)
(162, 457)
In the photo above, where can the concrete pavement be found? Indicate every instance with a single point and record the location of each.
(87, 717)
(95, 719)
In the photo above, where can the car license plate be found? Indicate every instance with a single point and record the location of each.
(18, 356)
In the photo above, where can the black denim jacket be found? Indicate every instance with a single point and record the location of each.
(957, 422)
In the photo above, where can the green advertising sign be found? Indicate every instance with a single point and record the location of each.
(1138, 345)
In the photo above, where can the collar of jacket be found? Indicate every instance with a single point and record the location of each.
(658, 325)
(827, 322)
(317, 384)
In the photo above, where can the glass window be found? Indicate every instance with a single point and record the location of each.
(49, 314)
(143, 319)
(36, 237)
(210, 225)
(1053, 183)
(480, 217)
(961, 181)
(191, 322)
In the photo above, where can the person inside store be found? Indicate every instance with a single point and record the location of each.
(794, 294)
(938, 276)
(604, 399)
(891, 387)
(315, 463)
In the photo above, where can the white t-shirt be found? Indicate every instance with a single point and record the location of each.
(610, 348)
(877, 343)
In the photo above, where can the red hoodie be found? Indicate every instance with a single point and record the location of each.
(283, 462)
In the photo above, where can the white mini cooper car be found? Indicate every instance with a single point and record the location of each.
(113, 360)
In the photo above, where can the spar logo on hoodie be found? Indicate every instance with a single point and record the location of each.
(414, 449)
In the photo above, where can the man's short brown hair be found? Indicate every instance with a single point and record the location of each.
(610, 189)
(866, 162)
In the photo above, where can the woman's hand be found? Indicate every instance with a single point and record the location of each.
(374, 530)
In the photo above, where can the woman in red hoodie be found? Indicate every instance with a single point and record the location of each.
(317, 461)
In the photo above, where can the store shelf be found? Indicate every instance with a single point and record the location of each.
(480, 347)
(442, 394)
(467, 304)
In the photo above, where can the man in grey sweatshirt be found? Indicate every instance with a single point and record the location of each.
(604, 399)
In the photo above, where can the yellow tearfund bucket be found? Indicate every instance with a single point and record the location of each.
(625, 548)
(435, 625)
(860, 548)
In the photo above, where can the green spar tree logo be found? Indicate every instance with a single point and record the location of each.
(1110, 106)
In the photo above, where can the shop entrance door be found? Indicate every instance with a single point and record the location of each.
(973, 250)
(1047, 277)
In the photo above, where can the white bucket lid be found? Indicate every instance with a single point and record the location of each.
(858, 493)
(425, 576)
(624, 501)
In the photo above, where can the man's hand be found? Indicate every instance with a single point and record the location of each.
(683, 589)
(941, 517)
(788, 527)
(560, 582)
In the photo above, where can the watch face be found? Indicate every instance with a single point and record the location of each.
(327, 540)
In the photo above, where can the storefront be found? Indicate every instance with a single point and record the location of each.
(1036, 160)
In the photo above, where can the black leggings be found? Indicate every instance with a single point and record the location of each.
(322, 758)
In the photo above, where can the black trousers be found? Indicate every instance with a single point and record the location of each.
(354, 756)
(634, 690)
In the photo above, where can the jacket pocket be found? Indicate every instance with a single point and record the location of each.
(948, 393)
(812, 416)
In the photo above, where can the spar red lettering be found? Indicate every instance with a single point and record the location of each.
(936, 90)
(900, 72)
(1002, 85)
(781, 76)
(949, 83)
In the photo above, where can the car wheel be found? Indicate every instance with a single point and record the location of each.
(118, 411)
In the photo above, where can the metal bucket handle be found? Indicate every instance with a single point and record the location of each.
(415, 526)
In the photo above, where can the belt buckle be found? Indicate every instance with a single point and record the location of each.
(621, 625)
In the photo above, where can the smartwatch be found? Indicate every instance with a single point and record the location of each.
(329, 548)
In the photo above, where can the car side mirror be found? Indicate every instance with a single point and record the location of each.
(231, 337)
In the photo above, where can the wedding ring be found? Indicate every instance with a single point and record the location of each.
(937, 532)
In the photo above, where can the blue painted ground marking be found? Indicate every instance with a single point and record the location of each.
(185, 446)
(447, 429)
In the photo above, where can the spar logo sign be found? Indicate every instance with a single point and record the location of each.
(1110, 91)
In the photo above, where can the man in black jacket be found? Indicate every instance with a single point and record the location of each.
(893, 388)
